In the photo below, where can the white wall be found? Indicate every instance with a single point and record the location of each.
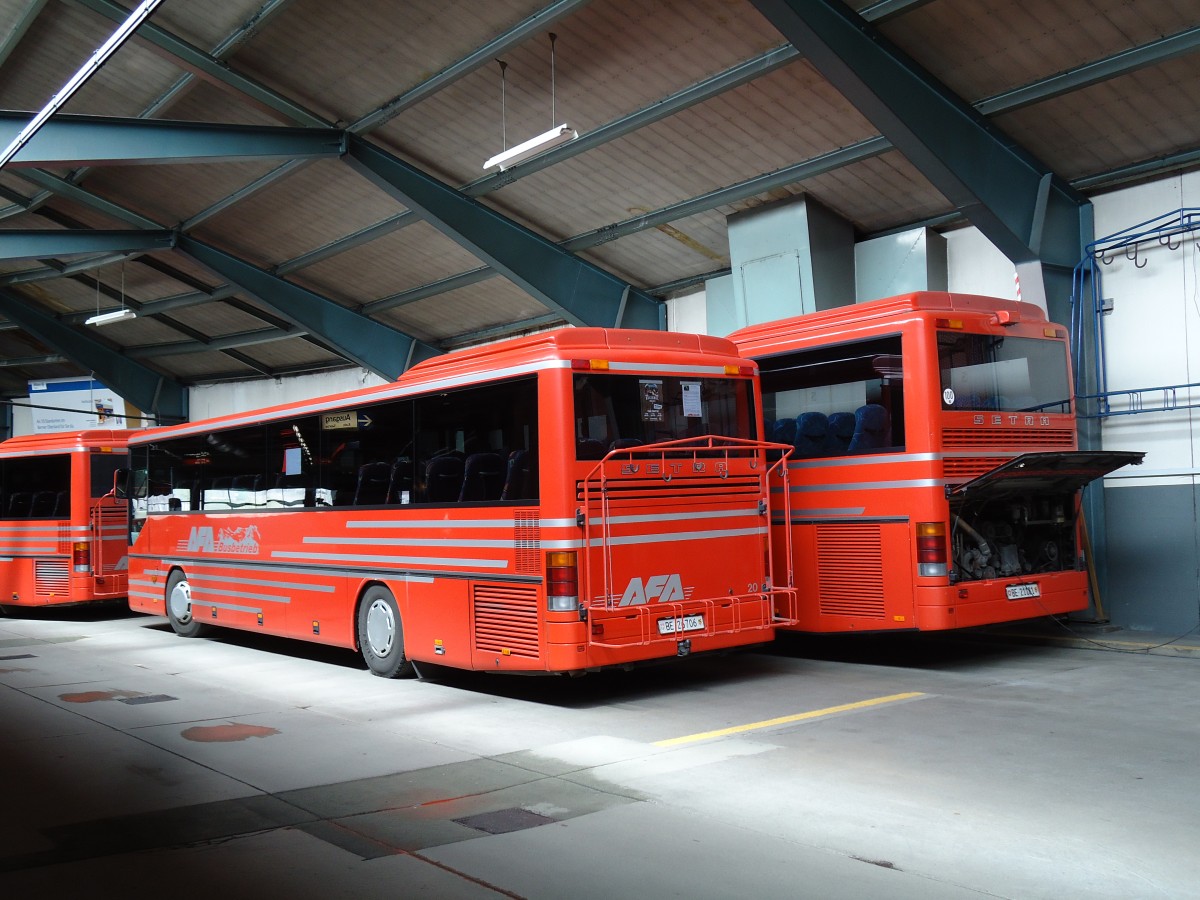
(209, 400)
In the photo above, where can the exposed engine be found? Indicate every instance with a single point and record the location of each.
(1012, 537)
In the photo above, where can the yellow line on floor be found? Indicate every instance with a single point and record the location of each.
(787, 720)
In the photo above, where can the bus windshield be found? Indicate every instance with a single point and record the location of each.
(627, 410)
(1003, 373)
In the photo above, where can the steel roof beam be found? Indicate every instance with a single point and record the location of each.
(1094, 72)
(1015, 200)
(372, 345)
(103, 140)
(735, 76)
(54, 244)
(582, 292)
(146, 388)
(16, 31)
(205, 66)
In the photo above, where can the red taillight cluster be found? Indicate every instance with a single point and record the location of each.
(931, 549)
(81, 557)
(562, 581)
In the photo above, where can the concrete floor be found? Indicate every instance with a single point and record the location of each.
(139, 762)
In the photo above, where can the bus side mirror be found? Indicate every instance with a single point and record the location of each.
(121, 484)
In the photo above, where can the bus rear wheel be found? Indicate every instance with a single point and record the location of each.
(381, 634)
(178, 597)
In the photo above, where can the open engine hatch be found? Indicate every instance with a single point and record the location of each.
(1062, 472)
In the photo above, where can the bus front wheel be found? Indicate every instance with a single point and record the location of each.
(179, 606)
(381, 634)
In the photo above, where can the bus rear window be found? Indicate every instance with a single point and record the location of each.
(613, 411)
(997, 372)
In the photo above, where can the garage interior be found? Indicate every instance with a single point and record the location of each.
(288, 198)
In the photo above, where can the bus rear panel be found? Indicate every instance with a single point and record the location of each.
(936, 476)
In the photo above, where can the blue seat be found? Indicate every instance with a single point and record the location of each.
(841, 430)
(444, 478)
(784, 431)
(517, 476)
(872, 426)
(812, 429)
(371, 488)
(483, 477)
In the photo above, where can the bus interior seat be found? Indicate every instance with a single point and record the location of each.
(516, 476)
(244, 491)
(62, 504)
(19, 504)
(812, 432)
(483, 477)
(444, 478)
(216, 496)
(589, 448)
(871, 426)
(371, 487)
(42, 505)
(400, 481)
(841, 430)
(784, 431)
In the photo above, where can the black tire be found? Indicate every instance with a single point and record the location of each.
(178, 601)
(381, 634)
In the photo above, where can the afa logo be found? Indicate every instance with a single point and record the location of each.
(660, 588)
(242, 540)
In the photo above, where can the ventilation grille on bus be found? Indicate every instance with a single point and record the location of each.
(1017, 439)
(51, 576)
(506, 619)
(850, 570)
(527, 539)
(967, 467)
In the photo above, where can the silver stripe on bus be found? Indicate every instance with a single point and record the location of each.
(869, 485)
(661, 538)
(199, 593)
(233, 607)
(144, 594)
(674, 517)
(873, 460)
(425, 524)
(262, 582)
(143, 583)
(667, 368)
(843, 511)
(478, 543)
(50, 526)
(24, 551)
(405, 560)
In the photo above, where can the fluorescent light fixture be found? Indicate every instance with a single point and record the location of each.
(117, 315)
(532, 147)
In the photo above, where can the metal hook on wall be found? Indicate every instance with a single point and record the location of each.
(1165, 240)
(1134, 256)
(1104, 260)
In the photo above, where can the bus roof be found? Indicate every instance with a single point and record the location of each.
(66, 441)
(512, 357)
(888, 307)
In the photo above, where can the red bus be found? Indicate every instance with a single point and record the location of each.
(936, 478)
(560, 502)
(62, 532)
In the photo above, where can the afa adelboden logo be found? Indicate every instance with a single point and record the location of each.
(205, 539)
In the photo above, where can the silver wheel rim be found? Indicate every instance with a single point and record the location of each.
(381, 627)
(180, 602)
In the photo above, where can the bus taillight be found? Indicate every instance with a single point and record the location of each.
(562, 581)
(81, 557)
(931, 549)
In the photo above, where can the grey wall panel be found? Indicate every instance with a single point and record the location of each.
(1153, 558)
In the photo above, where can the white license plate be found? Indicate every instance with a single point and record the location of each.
(688, 623)
(1022, 591)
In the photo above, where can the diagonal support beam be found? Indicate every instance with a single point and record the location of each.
(995, 183)
(56, 244)
(147, 389)
(102, 140)
(582, 292)
(370, 344)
